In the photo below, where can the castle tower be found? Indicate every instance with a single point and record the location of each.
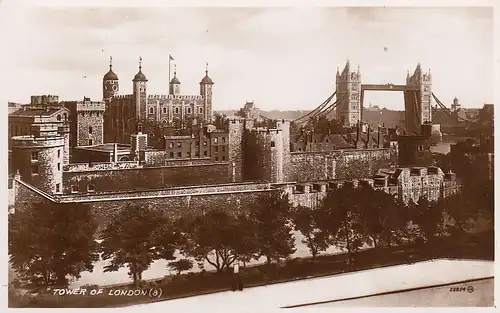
(175, 84)
(39, 158)
(90, 121)
(140, 93)
(206, 85)
(284, 126)
(235, 153)
(110, 86)
(348, 86)
(267, 144)
(418, 104)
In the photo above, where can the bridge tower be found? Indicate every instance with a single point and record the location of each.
(418, 100)
(348, 86)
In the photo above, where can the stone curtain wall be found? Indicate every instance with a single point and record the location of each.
(146, 178)
(339, 164)
(162, 158)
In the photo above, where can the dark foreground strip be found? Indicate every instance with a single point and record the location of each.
(386, 293)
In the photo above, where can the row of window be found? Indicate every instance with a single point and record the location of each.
(176, 110)
(197, 154)
(76, 189)
(179, 144)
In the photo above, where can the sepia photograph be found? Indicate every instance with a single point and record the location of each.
(165, 158)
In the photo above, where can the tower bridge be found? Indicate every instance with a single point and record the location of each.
(350, 92)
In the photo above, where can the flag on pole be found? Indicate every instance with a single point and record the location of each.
(171, 57)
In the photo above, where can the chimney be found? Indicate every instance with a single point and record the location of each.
(115, 153)
(367, 144)
(378, 138)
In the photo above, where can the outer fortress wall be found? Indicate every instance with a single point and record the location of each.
(126, 174)
(338, 164)
(193, 200)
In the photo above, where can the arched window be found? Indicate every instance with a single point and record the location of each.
(65, 116)
(176, 110)
(58, 117)
(150, 110)
(201, 110)
(164, 110)
(188, 110)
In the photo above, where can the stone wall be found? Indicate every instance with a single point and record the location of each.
(161, 158)
(145, 177)
(338, 164)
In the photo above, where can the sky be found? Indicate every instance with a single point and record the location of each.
(282, 58)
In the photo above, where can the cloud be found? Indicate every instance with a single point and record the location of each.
(281, 57)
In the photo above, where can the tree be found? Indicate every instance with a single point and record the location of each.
(181, 265)
(383, 218)
(305, 221)
(131, 239)
(215, 237)
(273, 228)
(341, 220)
(50, 243)
(428, 217)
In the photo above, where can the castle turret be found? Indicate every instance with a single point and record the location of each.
(110, 86)
(206, 85)
(175, 84)
(140, 93)
(39, 158)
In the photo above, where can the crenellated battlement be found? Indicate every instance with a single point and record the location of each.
(177, 97)
(124, 97)
(102, 166)
(90, 106)
(44, 99)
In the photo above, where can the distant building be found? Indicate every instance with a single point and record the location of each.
(250, 111)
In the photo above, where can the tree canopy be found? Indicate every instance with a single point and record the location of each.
(51, 243)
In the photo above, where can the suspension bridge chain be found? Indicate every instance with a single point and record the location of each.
(442, 106)
(332, 107)
(316, 110)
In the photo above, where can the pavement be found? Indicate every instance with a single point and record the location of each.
(331, 289)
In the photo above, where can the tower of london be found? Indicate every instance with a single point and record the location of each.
(123, 111)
